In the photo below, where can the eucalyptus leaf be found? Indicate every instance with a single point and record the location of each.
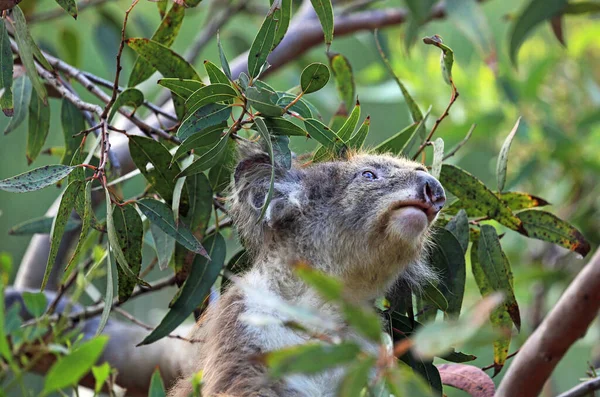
(503, 157)
(314, 77)
(324, 10)
(21, 99)
(263, 43)
(6, 72)
(36, 179)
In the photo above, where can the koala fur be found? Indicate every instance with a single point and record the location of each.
(364, 219)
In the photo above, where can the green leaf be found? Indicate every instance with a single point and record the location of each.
(130, 230)
(281, 151)
(108, 295)
(165, 34)
(417, 138)
(301, 107)
(420, 10)
(41, 225)
(324, 11)
(181, 87)
(415, 112)
(70, 41)
(26, 50)
(348, 127)
(101, 374)
(36, 179)
(263, 42)
(309, 358)
(265, 101)
(67, 203)
(281, 126)
(395, 143)
(344, 79)
(264, 133)
(207, 116)
(21, 100)
(503, 157)
(68, 370)
(473, 193)
(161, 215)
(39, 126)
(519, 201)
(35, 302)
(223, 58)
(545, 226)
(72, 123)
(130, 97)
(220, 175)
(403, 381)
(69, 6)
(325, 136)
(283, 16)
(535, 12)
(157, 387)
(356, 378)
(6, 72)
(201, 202)
(216, 75)
(459, 227)
(497, 271)
(208, 159)
(203, 139)
(209, 94)
(447, 58)
(438, 157)
(164, 246)
(86, 219)
(204, 273)
(433, 295)
(357, 140)
(314, 77)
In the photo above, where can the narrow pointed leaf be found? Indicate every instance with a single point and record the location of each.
(438, 157)
(157, 387)
(131, 97)
(325, 136)
(281, 126)
(263, 42)
(130, 230)
(72, 123)
(265, 101)
(216, 75)
(220, 175)
(39, 127)
(432, 294)
(21, 100)
(69, 6)
(314, 77)
(86, 219)
(36, 179)
(503, 157)
(519, 201)
(395, 143)
(344, 79)
(447, 57)
(181, 87)
(207, 116)
(6, 71)
(344, 132)
(215, 92)
(208, 159)
(108, 295)
(201, 203)
(41, 225)
(208, 137)
(324, 11)
(283, 16)
(223, 58)
(358, 139)
(417, 138)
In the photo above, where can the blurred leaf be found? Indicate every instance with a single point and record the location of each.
(209, 159)
(438, 157)
(67, 203)
(69, 6)
(434, 296)
(496, 270)
(165, 34)
(325, 136)
(556, 23)
(344, 79)
(263, 42)
(265, 101)
(281, 126)
(35, 179)
(41, 225)
(159, 214)
(419, 13)
(101, 374)
(35, 302)
(21, 100)
(201, 202)
(545, 226)
(130, 230)
(468, 378)
(264, 134)
(281, 150)
(415, 112)
(535, 12)
(417, 138)
(207, 116)
(39, 126)
(70, 41)
(27, 48)
(206, 137)
(157, 387)
(314, 77)
(447, 59)
(459, 227)
(357, 140)
(204, 273)
(220, 175)
(86, 218)
(6, 71)
(209, 94)
(448, 259)
(164, 246)
(582, 7)
(109, 294)
(395, 143)
(72, 123)
(401, 380)
(470, 19)
(283, 16)
(162, 177)
(223, 58)
(215, 74)
(356, 378)
(309, 358)
(324, 11)
(503, 157)
(474, 194)
(181, 87)
(130, 97)
(68, 370)
(458, 357)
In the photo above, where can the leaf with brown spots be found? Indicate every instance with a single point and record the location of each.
(130, 230)
(36, 179)
(467, 378)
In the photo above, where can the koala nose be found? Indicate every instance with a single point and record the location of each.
(433, 192)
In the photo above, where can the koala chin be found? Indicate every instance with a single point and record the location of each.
(364, 219)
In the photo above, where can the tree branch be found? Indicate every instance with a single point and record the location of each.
(583, 389)
(577, 307)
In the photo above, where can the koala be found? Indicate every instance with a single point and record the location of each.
(364, 219)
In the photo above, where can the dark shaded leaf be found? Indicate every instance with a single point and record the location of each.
(201, 202)
(220, 175)
(130, 230)
(356, 378)
(208, 159)
(263, 42)
(324, 11)
(556, 23)
(207, 116)
(468, 378)
(283, 16)
(35, 302)
(130, 97)
(448, 259)
(70, 40)
(503, 157)
(6, 71)
(86, 219)
(301, 107)
(72, 123)
(69, 6)
(35, 179)
(459, 227)
(403, 381)
(22, 98)
(582, 7)
(181, 87)
(419, 13)
(314, 77)
(39, 127)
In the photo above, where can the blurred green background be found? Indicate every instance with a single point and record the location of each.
(555, 154)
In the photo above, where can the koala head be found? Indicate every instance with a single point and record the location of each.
(365, 219)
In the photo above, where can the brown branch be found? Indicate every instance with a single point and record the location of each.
(59, 12)
(566, 323)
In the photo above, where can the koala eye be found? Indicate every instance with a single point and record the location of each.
(369, 175)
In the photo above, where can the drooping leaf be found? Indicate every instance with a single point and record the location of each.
(314, 77)
(208, 159)
(157, 387)
(356, 378)
(108, 295)
(67, 203)
(130, 97)
(181, 87)
(6, 72)
(473, 193)
(265, 101)
(403, 381)
(68, 370)
(283, 16)
(395, 143)
(459, 227)
(281, 126)
(447, 57)
(215, 74)
(468, 378)
(264, 134)
(41, 225)
(438, 157)
(165, 34)
(503, 157)
(324, 11)
(22, 98)
(130, 230)
(545, 226)
(86, 219)
(203, 274)
(36, 179)
(344, 79)
(161, 215)
(207, 116)
(357, 140)
(325, 136)
(164, 246)
(201, 204)
(35, 302)
(263, 42)
(220, 175)
(535, 12)
(72, 123)
(39, 127)
(209, 94)
(70, 6)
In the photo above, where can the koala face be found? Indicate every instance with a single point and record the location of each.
(364, 219)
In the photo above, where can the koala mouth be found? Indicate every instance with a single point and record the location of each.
(429, 209)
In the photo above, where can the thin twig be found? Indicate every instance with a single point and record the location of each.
(494, 365)
(460, 144)
(583, 389)
(134, 320)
